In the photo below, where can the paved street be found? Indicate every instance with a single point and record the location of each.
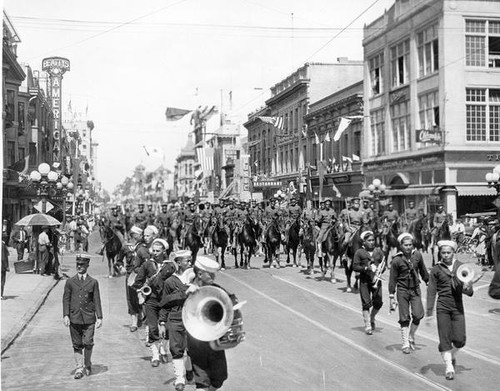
(303, 333)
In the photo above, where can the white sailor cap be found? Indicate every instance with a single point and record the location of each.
(163, 242)
(404, 236)
(151, 229)
(449, 243)
(136, 230)
(206, 264)
(365, 234)
(181, 254)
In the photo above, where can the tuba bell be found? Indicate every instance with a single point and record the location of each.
(465, 273)
(209, 315)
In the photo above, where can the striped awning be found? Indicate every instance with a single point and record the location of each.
(470, 191)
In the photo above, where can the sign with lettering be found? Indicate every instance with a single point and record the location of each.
(56, 67)
(270, 184)
(429, 136)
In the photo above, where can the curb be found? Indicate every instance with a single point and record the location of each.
(26, 319)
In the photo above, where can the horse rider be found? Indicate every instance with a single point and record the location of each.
(353, 221)
(219, 213)
(324, 220)
(114, 222)
(390, 217)
(141, 216)
(204, 209)
(188, 218)
(344, 212)
(150, 214)
(240, 217)
(368, 213)
(411, 214)
(271, 213)
(292, 214)
(231, 215)
(161, 221)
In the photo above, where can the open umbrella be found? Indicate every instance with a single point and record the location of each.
(38, 219)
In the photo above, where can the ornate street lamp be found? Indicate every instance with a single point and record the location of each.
(64, 186)
(493, 180)
(377, 189)
(44, 179)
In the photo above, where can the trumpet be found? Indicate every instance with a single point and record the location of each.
(378, 273)
(145, 290)
(467, 275)
(209, 315)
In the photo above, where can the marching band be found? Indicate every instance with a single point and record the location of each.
(172, 289)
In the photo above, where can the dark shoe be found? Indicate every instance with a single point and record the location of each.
(133, 329)
(179, 387)
(88, 371)
(450, 375)
(78, 374)
(189, 376)
(155, 363)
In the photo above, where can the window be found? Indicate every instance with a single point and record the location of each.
(428, 106)
(11, 153)
(376, 65)
(400, 56)
(400, 126)
(32, 150)
(377, 136)
(482, 43)
(9, 109)
(483, 114)
(428, 51)
(20, 117)
(22, 153)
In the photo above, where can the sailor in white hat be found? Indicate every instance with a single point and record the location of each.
(406, 266)
(450, 314)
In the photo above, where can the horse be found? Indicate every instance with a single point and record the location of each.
(247, 243)
(420, 231)
(219, 241)
(192, 240)
(390, 241)
(272, 241)
(353, 246)
(308, 241)
(112, 249)
(293, 242)
(441, 233)
(332, 247)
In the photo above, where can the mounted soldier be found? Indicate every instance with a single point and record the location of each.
(292, 214)
(390, 217)
(161, 221)
(353, 220)
(141, 217)
(188, 218)
(411, 214)
(324, 220)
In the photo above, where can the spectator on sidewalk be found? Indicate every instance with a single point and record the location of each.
(73, 227)
(5, 264)
(43, 250)
(82, 313)
(20, 239)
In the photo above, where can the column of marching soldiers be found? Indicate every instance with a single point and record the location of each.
(151, 236)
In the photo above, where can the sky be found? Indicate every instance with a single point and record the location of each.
(131, 59)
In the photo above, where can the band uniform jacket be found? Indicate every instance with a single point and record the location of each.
(82, 300)
(404, 273)
(362, 261)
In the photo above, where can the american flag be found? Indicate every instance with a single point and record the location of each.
(206, 158)
(277, 122)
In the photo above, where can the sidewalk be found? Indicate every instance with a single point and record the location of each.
(23, 296)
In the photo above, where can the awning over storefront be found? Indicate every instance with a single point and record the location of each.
(409, 191)
(470, 191)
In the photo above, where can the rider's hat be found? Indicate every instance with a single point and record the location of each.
(355, 199)
(83, 258)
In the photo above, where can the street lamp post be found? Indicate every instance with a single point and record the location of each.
(65, 186)
(377, 189)
(493, 180)
(44, 178)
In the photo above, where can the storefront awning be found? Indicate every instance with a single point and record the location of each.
(470, 191)
(409, 191)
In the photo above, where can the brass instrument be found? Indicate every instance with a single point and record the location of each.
(378, 273)
(466, 274)
(209, 315)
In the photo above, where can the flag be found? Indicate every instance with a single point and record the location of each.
(208, 112)
(256, 163)
(277, 122)
(327, 137)
(174, 114)
(344, 123)
(346, 159)
(21, 166)
(316, 138)
(337, 191)
(205, 158)
(355, 158)
(153, 152)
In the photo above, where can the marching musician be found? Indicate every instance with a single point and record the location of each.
(406, 266)
(450, 315)
(152, 274)
(209, 366)
(173, 297)
(366, 261)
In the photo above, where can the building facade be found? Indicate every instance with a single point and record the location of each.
(432, 102)
(184, 176)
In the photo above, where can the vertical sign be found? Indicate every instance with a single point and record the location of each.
(56, 67)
